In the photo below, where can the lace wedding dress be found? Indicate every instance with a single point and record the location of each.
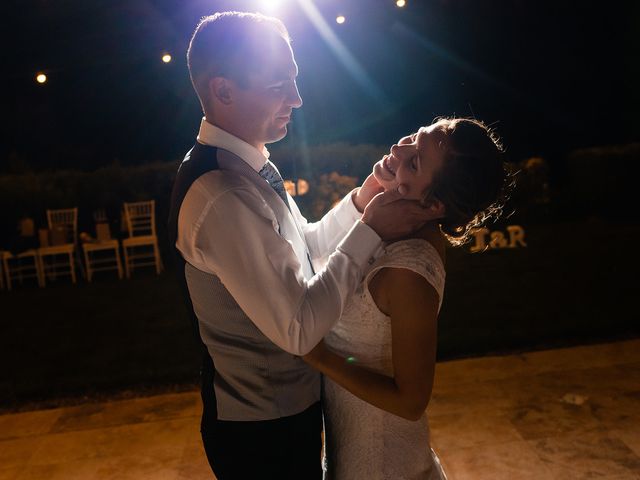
(363, 442)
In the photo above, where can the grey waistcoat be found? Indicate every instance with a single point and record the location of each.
(246, 376)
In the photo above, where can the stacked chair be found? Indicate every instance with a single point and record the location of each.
(24, 263)
(58, 258)
(61, 254)
(103, 253)
(141, 247)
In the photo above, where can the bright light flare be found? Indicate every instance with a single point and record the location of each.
(270, 4)
(401, 3)
(41, 78)
(343, 54)
(340, 19)
(166, 58)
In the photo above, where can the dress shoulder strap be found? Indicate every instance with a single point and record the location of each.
(414, 254)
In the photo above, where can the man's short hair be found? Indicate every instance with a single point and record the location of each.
(230, 45)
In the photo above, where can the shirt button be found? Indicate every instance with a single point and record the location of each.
(371, 260)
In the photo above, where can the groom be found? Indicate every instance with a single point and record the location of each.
(244, 254)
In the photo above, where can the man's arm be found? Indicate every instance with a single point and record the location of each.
(234, 236)
(238, 242)
(323, 236)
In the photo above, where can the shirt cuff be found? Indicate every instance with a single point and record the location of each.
(361, 244)
(346, 212)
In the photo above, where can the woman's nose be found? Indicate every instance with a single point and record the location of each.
(397, 150)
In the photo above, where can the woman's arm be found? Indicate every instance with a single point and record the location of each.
(412, 304)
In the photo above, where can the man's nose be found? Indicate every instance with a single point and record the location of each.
(294, 99)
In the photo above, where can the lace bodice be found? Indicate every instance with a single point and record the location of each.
(363, 441)
(364, 332)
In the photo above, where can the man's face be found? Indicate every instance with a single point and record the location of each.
(264, 108)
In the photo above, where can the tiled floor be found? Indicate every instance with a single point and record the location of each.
(558, 414)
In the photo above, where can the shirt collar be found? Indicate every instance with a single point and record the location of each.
(216, 137)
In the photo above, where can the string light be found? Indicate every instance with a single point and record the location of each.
(41, 78)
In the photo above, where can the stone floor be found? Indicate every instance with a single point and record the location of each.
(557, 414)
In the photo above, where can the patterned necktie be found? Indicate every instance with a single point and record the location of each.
(271, 175)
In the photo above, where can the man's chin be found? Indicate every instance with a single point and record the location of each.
(278, 135)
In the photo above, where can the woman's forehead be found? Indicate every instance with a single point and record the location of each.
(436, 131)
(431, 144)
(439, 125)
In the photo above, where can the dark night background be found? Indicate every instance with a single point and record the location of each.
(549, 76)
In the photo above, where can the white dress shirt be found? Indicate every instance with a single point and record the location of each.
(232, 227)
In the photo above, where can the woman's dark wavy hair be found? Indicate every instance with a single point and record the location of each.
(473, 183)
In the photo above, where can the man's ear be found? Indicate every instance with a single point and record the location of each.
(435, 208)
(221, 89)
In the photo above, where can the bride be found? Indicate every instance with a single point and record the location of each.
(379, 359)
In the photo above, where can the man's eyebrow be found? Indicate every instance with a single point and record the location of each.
(281, 77)
(285, 74)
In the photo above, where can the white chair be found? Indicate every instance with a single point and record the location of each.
(20, 267)
(58, 258)
(102, 254)
(141, 248)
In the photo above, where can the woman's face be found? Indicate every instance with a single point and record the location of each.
(414, 161)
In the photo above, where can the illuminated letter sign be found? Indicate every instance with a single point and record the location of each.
(497, 239)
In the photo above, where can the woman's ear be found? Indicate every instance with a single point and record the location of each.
(435, 207)
(221, 90)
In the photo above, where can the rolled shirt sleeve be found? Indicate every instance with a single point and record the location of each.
(322, 237)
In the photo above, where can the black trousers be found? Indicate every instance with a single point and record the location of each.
(282, 449)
